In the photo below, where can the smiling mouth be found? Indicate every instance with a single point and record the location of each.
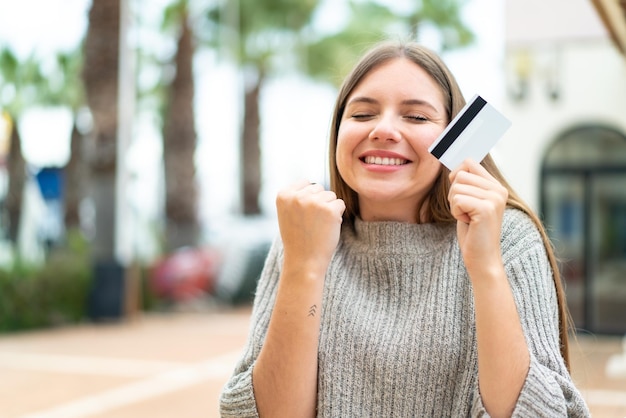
(384, 160)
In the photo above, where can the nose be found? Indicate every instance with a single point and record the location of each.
(385, 130)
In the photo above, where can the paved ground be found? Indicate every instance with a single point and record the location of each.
(174, 365)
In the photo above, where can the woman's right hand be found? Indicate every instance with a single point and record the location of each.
(285, 372)
(309, 219)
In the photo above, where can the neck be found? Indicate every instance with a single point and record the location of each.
(395, 212)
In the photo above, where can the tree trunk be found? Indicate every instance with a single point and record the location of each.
(74, 179)
(251, 151)
(17, 179)
(100, 74)
(179, 146)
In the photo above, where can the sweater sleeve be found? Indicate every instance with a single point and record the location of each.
(237, 396)
(548, 390)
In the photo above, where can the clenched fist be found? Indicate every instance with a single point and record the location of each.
(309, 219)
(477, 201)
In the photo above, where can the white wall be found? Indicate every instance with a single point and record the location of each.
(590, 74)
(529, 21)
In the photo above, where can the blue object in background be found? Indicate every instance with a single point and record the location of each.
(51, 228)
(50, 181)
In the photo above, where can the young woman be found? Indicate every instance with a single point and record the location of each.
(407, 290)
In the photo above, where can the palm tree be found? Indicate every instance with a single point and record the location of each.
(100, 76)
(268, 30)
(179, 137)
(330, 57)
(75, 180)
(17, 179)
(59, 86)
(21, 79)
(66, 89)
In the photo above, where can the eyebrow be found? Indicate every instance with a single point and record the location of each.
(409, 102)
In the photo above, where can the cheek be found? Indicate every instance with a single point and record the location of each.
(342, 156)
(426, 138)
(345, 144)
(428, 162)
(433, 135)
(347, 133)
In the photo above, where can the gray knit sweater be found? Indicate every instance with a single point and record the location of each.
(397, 330)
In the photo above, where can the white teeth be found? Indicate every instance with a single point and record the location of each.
(384, 161)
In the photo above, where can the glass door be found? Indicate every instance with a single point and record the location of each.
(583, 202)
(564, 217)
(608, 250)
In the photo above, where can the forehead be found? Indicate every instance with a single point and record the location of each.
(400, 76)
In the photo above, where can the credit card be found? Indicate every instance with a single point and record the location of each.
(471, 134)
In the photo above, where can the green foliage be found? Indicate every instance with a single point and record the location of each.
(19, 81)
(446, 16)
(330, 57)
(64, 85)
(257, 16)
(258, 32)
(9, 64)
(173, 16)
(54, 294)
(29, 82)
(57, 293)
(263, 29)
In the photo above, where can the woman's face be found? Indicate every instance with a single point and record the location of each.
(391, 118)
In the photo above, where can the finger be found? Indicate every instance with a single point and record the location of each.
(473, 167)
(495, 194)
(314, 187)
(462, 167)
(473, 200)
(326, 196)
(478, 185)
(470, 184)
(470, 166)
(458, 209)
(299, 189)
(474, 204)
(339, 205)
(465, 177)
(467, 209)
(468, 190)
(298, 185)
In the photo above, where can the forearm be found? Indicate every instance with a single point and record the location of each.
(285, 374)
(503, 355)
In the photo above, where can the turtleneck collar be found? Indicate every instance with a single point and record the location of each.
(397, 237)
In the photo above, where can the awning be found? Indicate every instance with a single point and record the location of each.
(613, 14)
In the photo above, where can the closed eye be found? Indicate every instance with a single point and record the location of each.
(417, 118)
(362, 116)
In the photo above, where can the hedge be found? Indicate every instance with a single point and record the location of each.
(42, 296)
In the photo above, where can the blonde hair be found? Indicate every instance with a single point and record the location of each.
(435, 208)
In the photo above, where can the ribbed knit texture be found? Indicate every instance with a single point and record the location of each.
(398, 334)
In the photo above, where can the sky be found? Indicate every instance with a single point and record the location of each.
(55, 24)
(294, 138)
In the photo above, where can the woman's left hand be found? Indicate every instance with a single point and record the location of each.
(477, 201)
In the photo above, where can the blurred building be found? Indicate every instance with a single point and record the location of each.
(566, 150)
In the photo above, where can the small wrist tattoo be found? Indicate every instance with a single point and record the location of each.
(312, 310)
